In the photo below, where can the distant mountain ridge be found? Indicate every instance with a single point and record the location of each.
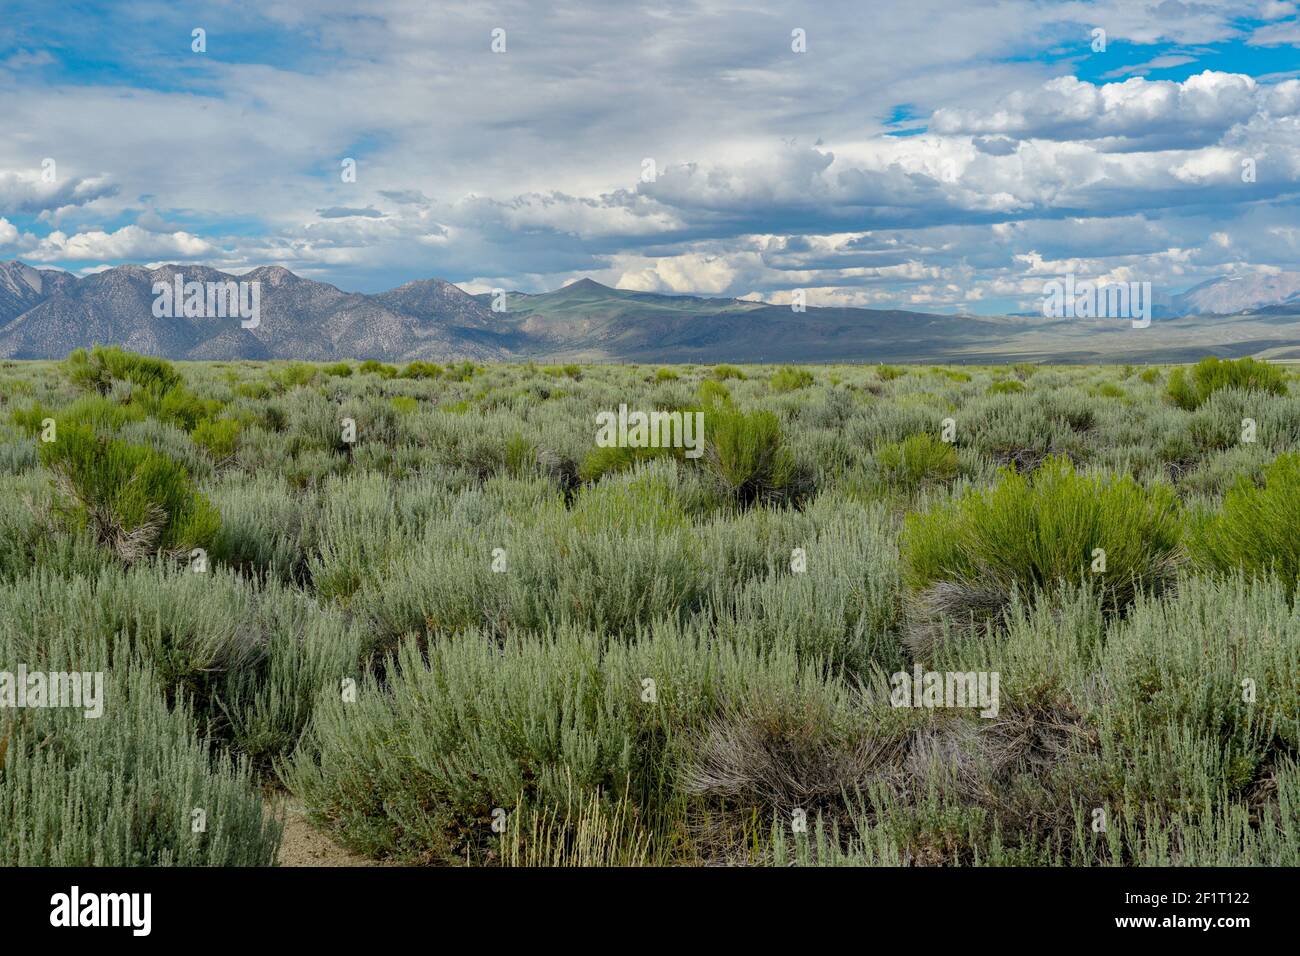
(46, 313)
(1230, 295)
(300, 318)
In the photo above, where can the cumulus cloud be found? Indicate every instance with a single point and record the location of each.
(771, 169)
(129, 243)
(41, 190)
(1136, 114)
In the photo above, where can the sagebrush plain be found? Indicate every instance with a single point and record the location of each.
(426, 605)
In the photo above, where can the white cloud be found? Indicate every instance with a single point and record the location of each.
(1277, 34)
(524, 169)
(29, 191)
(129, 242)
(1148, 112)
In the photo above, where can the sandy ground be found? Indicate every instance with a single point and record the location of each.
(303, 845)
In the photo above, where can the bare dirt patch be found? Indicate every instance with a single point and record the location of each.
(304, 845)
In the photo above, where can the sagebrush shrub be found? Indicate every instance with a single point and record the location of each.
(122, 789)
(487, 723)
(1176, 669)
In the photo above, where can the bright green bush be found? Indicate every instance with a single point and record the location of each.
(101, 414)
(714, 395)
(253, 389)
(1006, 387)
(134, 500)
(217, 437)
(916, 461)
(405, 404)
(462, 372)
(789, 379)
(421, 370)
(723, 372)
(97, 369)
(614, 459)
(295, 374)
(177, 405)
(1190, 389)
(563, 371)
(373, 367)
(745, 454)
(1027, 534)
(1258, 528)
(31, 419)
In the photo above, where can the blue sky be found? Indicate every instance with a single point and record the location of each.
(935, 155)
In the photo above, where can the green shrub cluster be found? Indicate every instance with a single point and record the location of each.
(916, 461)
(790, 379)
(1256, 530)
(965, 559)
(134, 500)
(1189, 390)
(98, 368)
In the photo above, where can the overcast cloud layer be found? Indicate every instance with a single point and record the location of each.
(936, 155)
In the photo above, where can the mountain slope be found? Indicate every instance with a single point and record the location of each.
(46, 313)
(22, 287)
(592, 322)
(436, 300)
(299, 319)
(1231, 295)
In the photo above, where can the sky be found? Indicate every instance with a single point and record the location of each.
(942, 156)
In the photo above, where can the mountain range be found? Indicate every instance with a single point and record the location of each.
(44, 313)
